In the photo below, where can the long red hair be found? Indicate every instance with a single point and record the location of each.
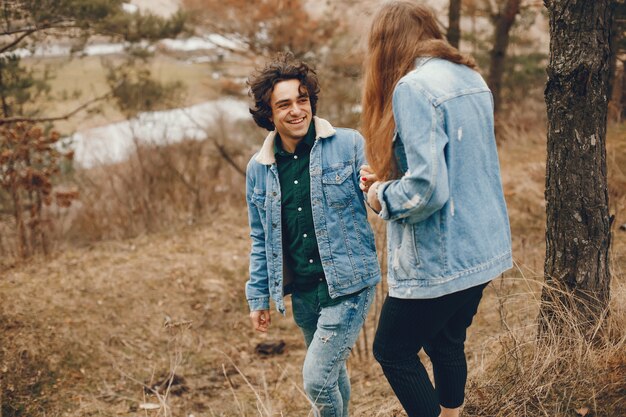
(401, 32)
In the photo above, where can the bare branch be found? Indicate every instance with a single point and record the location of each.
(220, 148)
(17, 40)
(57, 24)
(224, 153)
(53, 119)
(27, 31)
(249, 51)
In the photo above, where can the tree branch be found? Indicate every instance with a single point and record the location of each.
(54, 119)
(225, 155)
(25, 32)
(17, 40)
(220, 148)
(57, 24)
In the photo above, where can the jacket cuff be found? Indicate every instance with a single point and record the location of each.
(261, 303)
(384, 211)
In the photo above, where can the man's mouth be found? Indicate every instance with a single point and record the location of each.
(296, 121)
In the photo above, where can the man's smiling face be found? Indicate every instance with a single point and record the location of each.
(291, 110)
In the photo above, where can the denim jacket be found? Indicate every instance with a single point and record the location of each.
(448, 227)
(344, 237)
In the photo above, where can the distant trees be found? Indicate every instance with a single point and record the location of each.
(503, 19)
(506, 72)
(28, 24)
(270, 26)
(578, 229)
(322, 38)
(29, 152)
(454, 23)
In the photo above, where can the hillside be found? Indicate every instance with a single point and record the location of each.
(96, 330)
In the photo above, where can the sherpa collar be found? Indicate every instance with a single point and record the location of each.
(323, 129)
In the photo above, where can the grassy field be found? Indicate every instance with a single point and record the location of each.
(87, 76)
(157, 325)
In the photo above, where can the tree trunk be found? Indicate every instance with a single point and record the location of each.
(454, 23)
(578, 224)
(622, 102)
(503, 23)
(22, 250)
(618, 47)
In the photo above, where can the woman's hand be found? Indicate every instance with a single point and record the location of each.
(372, 197)
(367, 178)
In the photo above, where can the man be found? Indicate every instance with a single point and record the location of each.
(309, 229)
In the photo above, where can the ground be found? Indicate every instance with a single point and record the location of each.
(97, 329)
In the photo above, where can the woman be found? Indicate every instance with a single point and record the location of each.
(435, 179)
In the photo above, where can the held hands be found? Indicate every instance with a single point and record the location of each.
(369, 184)
(367, 178)
(260, 320)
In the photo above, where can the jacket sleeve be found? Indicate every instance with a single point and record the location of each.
(423, 189)
(359, 160)
(257, 290)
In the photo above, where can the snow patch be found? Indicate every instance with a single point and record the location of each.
(115, 142)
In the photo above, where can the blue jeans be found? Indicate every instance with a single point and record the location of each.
(329, 331)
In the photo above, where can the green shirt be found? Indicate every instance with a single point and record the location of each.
(299, 241)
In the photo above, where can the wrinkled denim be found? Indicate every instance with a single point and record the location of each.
(448, 227)
(344, 236)
(329, 333)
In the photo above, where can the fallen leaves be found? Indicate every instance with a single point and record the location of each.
(583, 411)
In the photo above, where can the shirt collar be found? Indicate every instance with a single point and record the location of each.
(308, 140)
(266, 156)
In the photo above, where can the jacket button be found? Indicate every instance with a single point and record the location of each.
(274, 193)
(274, 225)
(275, 255)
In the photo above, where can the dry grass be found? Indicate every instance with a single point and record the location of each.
(103, 329)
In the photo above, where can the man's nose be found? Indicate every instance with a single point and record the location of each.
(295, 108)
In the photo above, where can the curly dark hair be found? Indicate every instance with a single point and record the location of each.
(261, 83)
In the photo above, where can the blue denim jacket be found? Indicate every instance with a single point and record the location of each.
(345, 239)
(448, 227)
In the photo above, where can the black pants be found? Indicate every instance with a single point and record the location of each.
(438, 325)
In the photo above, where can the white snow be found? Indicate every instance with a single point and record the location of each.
(129, 8)
(209, 42)
(115, 142)
(197, 43)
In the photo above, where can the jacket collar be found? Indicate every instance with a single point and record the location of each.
(323, 129)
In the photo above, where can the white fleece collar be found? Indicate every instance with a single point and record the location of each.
(323, 129)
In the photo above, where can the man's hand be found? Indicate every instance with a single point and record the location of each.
(260, 320)
(372, 197)
(366, 178)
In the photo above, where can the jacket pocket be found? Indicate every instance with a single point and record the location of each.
(337, 189)
(403, 250)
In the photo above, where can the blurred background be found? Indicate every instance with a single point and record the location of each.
(124, 137)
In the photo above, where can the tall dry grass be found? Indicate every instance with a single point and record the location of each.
(561, 371)
(557, 372)
(160, 187)
(107, 352)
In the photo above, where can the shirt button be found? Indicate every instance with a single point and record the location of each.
(295, 157)
(305, 235)
(295, 182)
(310, 261)
(299, 208)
